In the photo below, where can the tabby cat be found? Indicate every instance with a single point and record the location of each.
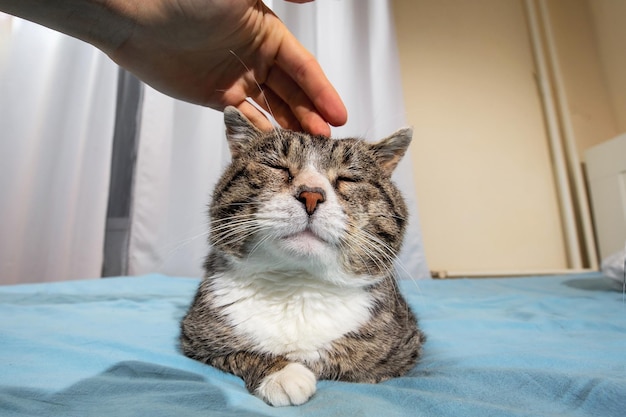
(299, 283)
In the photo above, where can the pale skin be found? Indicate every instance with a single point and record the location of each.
(211, 52)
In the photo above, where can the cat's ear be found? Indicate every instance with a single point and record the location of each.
(239, 131)
(390, 150)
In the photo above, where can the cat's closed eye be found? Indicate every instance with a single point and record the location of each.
(277, 167)
(348, 179)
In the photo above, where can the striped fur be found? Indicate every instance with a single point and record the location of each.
(292, 281)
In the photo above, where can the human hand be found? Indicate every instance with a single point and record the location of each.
(219, 52)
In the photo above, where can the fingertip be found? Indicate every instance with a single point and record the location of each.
(255, 116)
(340, 117)
(316, 126)
(302, 67)
(332, 108)
(322, 129)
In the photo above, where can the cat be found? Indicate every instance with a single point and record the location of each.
(299, 283)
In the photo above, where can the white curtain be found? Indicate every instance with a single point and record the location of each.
(57, 102)
(182, 147)
(57, 109)
(182, 152)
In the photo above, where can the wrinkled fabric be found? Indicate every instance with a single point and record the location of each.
(542, 346)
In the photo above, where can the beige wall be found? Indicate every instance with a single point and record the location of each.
(609, 22)
(588, 94)
(482, 165)
(483, 169)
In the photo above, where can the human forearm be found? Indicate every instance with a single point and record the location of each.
(99, 22)
(216, 53)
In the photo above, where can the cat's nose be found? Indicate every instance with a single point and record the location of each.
(311, 197)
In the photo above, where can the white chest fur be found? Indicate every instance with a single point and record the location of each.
(291, 316)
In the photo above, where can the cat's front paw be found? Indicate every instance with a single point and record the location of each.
(292, 385)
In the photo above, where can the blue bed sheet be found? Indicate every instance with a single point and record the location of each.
(541, 346)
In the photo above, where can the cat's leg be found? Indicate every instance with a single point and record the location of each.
(276, 380)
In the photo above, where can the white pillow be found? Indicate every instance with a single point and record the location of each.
(614, 267)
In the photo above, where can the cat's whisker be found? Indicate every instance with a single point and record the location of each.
(387, 266)
(237, 203)
(219, 209)
(231, 223)
(371, 250)
(232, 228)
(365, 238)
(389, 215)
(232, 217)
(239, 232)
(183, 242)
(169, 250)
(393, 257)
(375, 243)
(238, 207)
(221, 236)
(366, 243)
(397, 264)
(225, 221)
(190, 236)
(392, 261)
(261, 91)
(258, 245)
(408, 276)
(354, 245)
(354, 147)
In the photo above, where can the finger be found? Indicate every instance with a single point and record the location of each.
(255, 116)
(299, 104)
(303, 68)
(277, 108)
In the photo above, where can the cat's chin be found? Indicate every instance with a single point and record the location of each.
(305, 243)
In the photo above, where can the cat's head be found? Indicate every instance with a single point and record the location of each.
(290, 200)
